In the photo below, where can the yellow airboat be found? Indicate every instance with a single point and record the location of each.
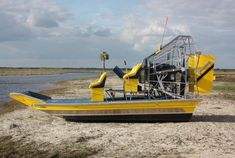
(164, 87)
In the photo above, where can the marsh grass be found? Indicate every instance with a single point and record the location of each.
(43, 71)
(225, 76)
(228, 87)
(226, 90)
(46, 71)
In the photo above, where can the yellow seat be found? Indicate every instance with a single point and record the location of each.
(134, 72)
(131, 79)
(97, 88)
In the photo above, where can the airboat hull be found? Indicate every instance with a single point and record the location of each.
(114, 111)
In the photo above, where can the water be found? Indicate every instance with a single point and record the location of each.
(34, 83)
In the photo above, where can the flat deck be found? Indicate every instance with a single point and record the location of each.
(76, 101)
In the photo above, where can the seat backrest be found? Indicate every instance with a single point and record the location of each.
(134, 73)
(100, 83)
(118, 72)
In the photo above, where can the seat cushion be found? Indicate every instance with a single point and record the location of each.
(100, 83)
(134, 73)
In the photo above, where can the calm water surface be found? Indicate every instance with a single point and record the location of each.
(34, 83)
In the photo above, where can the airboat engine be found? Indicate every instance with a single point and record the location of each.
(177, 70)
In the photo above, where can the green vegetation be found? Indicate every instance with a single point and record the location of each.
(225, 75)
(226, 90)
(8, 71)
(44, 71)
(225, 84)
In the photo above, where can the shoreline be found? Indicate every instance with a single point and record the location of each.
(28, 133)
(60, 89)
(22, 145)
(44, 71)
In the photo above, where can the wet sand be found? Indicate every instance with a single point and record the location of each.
(30, 133)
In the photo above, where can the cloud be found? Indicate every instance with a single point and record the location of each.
(12, 30)
(23, 19)
(143, 34)
(211, 23)
(80, 52)
(57, 33)
(215, 13)
(103, 32)
(42, 20)
(93, 30)
(186, 17)
(24, 8)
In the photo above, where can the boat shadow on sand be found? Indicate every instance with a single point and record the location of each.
(213, 118)
(195, 118)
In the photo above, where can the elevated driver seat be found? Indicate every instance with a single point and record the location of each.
(131, 79)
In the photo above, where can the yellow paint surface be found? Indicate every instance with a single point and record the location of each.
(30, 101)
(131, 85)
(188, 106)
(97, 94)
(198, 65)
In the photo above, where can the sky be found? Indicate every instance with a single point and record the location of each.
(65, 33)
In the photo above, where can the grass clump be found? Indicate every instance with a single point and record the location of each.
(228, 87)
(226, 90)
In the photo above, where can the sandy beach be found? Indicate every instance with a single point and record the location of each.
(29, 133)
(161, 77)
